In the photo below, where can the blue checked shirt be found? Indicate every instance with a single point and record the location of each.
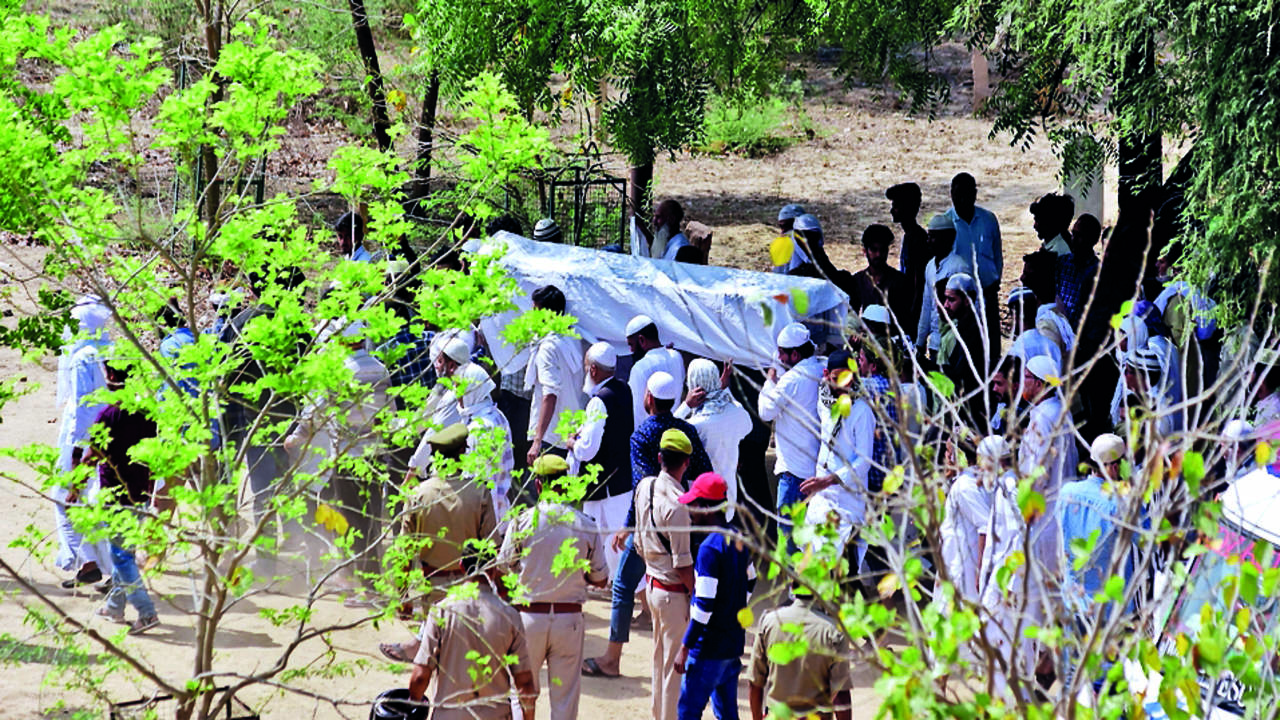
(883, 449)
(415, 365)
(644, 453)
(1074, 284)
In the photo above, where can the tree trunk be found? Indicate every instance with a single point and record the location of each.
(1140, 170)
(640, 189)
(212, 16)
(426, 138)
(369, 54)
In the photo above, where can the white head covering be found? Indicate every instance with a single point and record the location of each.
(793, 335)
(790, 212)
(702, 373)
(91, 314)
(1019, 294)
(1044, 367)
(443, 338)
(963, 282)
(1106, 448)
(602, 354)
(456, 350)
(662, 386)
(875, 314)
(1237, 430)
(479, 386)
(807, 222)
(941, 221)
(637, 324)
(994, 448)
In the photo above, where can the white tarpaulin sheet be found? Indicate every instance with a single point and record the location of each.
(714, 312)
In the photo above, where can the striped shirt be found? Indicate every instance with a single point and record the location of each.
(723, 578)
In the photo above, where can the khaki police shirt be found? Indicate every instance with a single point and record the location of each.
(809, 682)
(476, 688)
(658, 510)
(449, 511)
(535, 545)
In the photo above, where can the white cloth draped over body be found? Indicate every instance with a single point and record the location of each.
(483, 418)
(708, 311)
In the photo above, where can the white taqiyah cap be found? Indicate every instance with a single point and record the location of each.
(793, 336)
(662, 386)
(963, 282)
(603, 354)
(637, 324)
(941, 221)
(457, 351)
(1019, 293)
(994, 447)
(1106, 448)
(1237, 429)
(1045, 368)
(91, 314)
(875, 314)
(790, 212)
(807, 222)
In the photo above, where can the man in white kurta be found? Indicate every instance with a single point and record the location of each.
(790, 402)
(838, 488)
(650, 357)
(720, 421)
(81, 371)
(487, 429)
(554, 374)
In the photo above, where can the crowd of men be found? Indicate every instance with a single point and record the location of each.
(678, 446)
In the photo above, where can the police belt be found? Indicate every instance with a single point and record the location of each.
(552, 608)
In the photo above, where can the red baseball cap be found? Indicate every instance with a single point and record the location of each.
(708, 486)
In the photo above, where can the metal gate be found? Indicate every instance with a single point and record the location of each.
(585, 201)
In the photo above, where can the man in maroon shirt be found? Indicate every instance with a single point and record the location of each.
(128, 482)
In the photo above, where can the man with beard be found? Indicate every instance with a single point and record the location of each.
(649, 357)
(665, 239)
(790, 401)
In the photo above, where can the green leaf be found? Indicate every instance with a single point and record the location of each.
(942, 384)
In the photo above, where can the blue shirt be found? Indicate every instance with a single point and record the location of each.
(644, 452)
(978, 243)
(883, 453)
(1083, 509)
(414, 366)
(171, 346)
(723, 578)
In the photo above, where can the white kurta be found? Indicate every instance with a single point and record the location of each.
(1032, 343)
(661, 359)
(555, 369)
(846, 450)
(929, 327)
(485, 418)
(1049, 443)
(590, 434)
(80, 372)
(791, 404)
(968, 512)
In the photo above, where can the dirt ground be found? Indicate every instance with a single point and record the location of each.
(863, 145)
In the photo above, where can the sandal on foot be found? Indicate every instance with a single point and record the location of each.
(115, 617)
(144, 624)
(591, 668)
(394, 652)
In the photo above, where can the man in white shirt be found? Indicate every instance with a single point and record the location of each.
(604, 440)
(791, 403)
(839, 487)
(554, 374)
(649, 357)
(963, 532)
(1051, 217)
(665, 239)
(720, 421)
(944, 264)
(978, 243)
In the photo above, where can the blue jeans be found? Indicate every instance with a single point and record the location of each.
(709, 678)
(788, 494)
(126, 583)
(625, 580)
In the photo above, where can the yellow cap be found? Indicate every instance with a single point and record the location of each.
(549, 465)
(452, 438)
(675, 440)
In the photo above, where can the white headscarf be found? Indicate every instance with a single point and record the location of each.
(702, 373)
(479, 390)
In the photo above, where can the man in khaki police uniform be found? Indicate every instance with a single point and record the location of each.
(662, 541)
(448, 510)
(551, 597)
(464, 647)
(817, 682)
